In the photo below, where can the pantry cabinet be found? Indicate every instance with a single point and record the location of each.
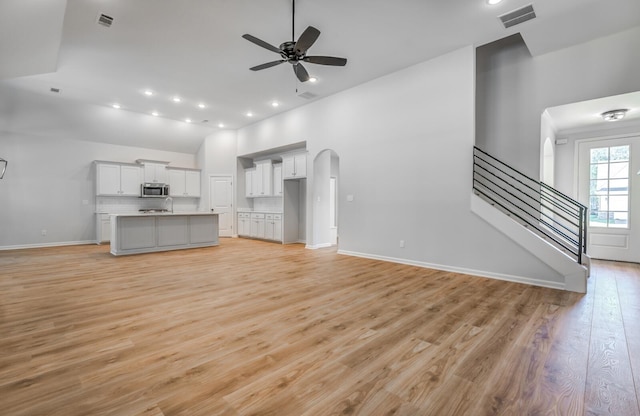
(294, 166)
(184, 183)
(116, 179)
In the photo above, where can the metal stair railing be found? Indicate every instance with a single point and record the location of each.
(552, 215)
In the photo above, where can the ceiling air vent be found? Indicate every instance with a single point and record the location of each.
(105, 20)
(518, 16)
(307, 95)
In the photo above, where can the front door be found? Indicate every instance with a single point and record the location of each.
(221, 202)
(609, 185)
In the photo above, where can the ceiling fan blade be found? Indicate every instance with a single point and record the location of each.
(326, 60)
(267, 65)
(261, 43)
(308, 37)
(301, 72)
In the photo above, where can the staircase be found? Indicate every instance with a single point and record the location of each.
(543, 220)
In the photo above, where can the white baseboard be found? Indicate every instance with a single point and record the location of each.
(317, 246)
(446, 268)
(58, 244)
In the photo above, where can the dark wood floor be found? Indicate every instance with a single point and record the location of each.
(255, 328)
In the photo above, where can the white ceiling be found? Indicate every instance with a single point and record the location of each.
(194, 49)
(587, 115)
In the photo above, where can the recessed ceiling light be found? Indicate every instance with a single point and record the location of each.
(275, 104)
(155, 114)
(492, 2)
(249, 114)
(221, 125)
(116, 106)
(201, 105)
(148, 93)
(176, 99)
(313, 79)
(614, 115)
(187, 120)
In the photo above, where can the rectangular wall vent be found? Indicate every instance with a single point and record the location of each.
(518, 16)
(105, 20)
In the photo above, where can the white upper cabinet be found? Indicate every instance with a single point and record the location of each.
(184, 183)
(155, 173)
(118, 179)
(294, 166)
(259, 180)
(263, 179)
(249, 179)
(192, 183)
(277, 180)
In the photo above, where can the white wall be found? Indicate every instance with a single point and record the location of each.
(320, 206)
(514, 88)
(566, 159)
(47, 181)
(217, 156)
(405, 146)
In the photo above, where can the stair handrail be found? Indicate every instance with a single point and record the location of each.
(550, 212)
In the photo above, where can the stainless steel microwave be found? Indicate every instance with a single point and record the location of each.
(154, 190)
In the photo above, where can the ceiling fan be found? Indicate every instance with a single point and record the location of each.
(296, 52)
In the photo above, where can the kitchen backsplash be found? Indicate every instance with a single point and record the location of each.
(119, 204)
(267, 204)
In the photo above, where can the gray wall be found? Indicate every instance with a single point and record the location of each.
(405, 145)
(514, 88)
(48, 180)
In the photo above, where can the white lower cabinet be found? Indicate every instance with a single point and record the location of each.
(273, 227)
(103, 228)
(244, 224)
(262, 225)
(257, 225)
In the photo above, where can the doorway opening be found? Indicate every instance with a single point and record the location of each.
(326, 182)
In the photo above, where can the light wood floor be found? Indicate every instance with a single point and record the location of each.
(255, 328)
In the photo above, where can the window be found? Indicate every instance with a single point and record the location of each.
(609, 187)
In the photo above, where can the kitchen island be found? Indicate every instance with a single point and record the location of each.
(136, 233)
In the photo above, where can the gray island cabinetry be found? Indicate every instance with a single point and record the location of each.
(149, 232)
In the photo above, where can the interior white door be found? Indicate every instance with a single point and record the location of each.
(609, 185)
(221, 202)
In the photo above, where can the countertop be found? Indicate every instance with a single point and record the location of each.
(257, 211)
(163, 214)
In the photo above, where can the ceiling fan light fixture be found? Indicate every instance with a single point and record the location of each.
(614, 115)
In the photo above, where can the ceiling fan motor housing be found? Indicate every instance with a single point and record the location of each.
(287, 51)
